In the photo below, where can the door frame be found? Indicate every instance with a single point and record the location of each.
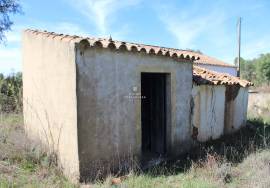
(168, 109)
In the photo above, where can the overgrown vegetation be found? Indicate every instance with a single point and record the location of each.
(11, 93)
(22, 165)
(238, 160)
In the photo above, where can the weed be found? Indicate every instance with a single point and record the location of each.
(21, 166)
(238, 160)
(231, 161)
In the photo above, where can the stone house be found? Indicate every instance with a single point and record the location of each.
(103, 105)
(82, 97)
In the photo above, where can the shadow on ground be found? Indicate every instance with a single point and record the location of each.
(233, 148)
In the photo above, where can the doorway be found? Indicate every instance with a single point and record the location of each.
(153, 113)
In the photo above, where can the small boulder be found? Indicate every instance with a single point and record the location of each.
(116, 181)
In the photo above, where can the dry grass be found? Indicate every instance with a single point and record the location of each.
(20, 165)
(239, 160)
(252, 172)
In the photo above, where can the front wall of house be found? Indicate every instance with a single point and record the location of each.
(208, 111)
(109, 119)
(49, 98)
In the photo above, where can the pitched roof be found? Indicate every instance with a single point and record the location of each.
(120, 45)
(197, 57)
(203, 76)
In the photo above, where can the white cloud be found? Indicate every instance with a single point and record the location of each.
(209, 27)
(13, 36)
(188, 27)
(185, 31)
(256, 47)
(102, 12)
(10, 60)
(10, 52)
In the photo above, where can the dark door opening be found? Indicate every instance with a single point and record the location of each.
(153, 113)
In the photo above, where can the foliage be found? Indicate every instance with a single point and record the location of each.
(256, 70)
(263, 68)
(11, 93)
(7, 7)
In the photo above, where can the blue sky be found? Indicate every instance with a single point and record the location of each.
(205, 25)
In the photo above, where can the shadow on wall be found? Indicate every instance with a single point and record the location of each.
(230, 148)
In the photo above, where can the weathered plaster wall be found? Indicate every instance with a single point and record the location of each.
(230, 70)
(235, 108)
(49, 90)
(109, 123)
(208, 111)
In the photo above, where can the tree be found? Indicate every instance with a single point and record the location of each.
(256, 70)
(263, 68)
(250, 69)
(247, 69)
(7, 7)
(11, 93)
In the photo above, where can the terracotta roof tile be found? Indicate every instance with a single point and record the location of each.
(120, 45)
(200, 75)
(197, 57)
(203, 76)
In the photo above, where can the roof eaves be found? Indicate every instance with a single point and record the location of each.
(120, 45)
(202, 76)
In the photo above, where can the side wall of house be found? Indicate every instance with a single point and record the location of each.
(49, 97)
(109, 118)
(236, 108)
(208, 111)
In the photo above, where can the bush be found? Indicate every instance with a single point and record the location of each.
(11, 93)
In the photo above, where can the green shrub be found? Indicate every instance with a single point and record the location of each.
(11, 93)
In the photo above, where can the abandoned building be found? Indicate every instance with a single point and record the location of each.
(98, 103)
